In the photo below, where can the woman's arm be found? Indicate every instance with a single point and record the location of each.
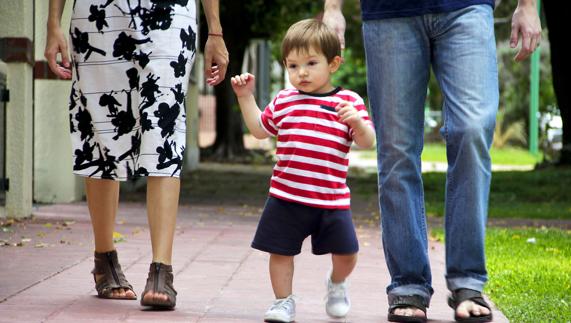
(56, 42)
(215, 52)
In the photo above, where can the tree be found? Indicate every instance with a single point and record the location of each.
(243, 21)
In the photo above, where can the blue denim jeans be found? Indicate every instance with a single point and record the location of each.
(460, 47)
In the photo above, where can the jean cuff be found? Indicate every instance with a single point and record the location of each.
(465, 282)
(407, 290)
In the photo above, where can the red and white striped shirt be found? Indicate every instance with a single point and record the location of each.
(312, 146)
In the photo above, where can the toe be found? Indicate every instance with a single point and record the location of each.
(130, 294)
(162, 297)
(463, 309)
(148, 297)
(409, 311)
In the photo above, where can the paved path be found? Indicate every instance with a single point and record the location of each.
(219, 278)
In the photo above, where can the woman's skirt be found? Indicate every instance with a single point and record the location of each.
(131, 61)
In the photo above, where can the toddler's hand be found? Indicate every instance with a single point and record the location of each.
(243, 84)
(348, 114)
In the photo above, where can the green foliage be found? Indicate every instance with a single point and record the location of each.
(352, 74)
(514, 83)
(508, 133)
(271, 18)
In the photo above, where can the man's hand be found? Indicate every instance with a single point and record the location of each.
(333, 18)
(525, 25)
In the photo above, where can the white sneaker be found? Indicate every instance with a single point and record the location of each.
(337, 301)
(282, 310)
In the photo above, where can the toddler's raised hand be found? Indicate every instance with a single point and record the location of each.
(243, 84)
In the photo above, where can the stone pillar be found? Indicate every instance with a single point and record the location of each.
(16, 49)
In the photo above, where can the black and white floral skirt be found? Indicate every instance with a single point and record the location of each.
(131, 64)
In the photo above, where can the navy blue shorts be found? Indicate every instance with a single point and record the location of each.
(284, 225)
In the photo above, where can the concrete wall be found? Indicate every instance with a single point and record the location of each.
(38, 153)
(17, 20)
(54, 181)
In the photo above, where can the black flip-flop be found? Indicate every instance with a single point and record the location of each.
(464, 294)
(415, 301)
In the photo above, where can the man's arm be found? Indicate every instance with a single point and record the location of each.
(525, 25)
(333, 18)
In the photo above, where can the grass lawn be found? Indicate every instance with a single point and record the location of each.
(529, 273)
(540, 194)
(506, 156)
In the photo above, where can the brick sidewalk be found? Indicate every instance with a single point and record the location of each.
(219, 278)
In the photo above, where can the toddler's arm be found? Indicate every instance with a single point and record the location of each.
(243, 86)
(363, 135)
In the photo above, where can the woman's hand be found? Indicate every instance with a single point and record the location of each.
(57, 44)
(215, 60)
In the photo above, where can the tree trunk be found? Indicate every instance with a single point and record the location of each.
(229, 142)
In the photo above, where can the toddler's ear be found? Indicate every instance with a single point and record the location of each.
(335, 64)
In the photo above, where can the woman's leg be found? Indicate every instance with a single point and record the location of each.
(103, 202)
(281, 274)
(162, 208)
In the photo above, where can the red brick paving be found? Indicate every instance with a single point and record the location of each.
(218, 276)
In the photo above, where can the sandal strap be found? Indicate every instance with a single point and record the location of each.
(464, 294)
(399, 301)
(107, 264)
(160, 280)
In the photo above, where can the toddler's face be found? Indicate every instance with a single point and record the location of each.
(309, 71)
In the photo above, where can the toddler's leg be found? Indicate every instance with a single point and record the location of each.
(343, 265)
(338, 302)
(281, 274)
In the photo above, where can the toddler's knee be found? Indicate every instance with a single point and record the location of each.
(345, 259)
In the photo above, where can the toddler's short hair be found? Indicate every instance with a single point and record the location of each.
(309, 33)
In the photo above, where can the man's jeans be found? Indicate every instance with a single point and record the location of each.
(460, 47)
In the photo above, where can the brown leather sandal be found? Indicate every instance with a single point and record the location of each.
(107, 264)
(160, 280)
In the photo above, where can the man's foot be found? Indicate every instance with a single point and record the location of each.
(407, 308)
(282, 310)
(337, 303)
(414, 314)
(469, 306)
(468, 309)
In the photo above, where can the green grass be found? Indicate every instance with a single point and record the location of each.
(529, 282)
(505, 156)
(539, 194)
